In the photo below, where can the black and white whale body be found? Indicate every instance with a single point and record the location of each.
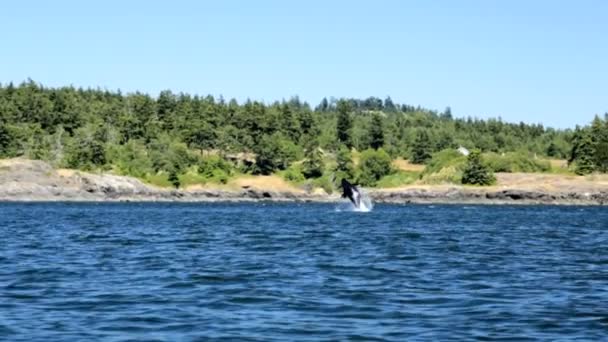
(352, 192)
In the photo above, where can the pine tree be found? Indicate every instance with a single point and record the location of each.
(313, 165)
(552, 150)
(585, 163)
(173, 178)
(599, 136)
(345, 167)
(421, 150)
(323, 106)
(5, 140)
(389, 106)
(344, 124)
(376, 132)
(577, 139)
(447, 114)
(289, 124)
(475, 172)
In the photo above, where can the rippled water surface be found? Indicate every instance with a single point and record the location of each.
(181, 272)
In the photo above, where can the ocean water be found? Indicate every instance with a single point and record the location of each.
(302, 272)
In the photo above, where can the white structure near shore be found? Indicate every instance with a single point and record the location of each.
(463, 151)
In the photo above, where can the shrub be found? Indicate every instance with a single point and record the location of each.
(220, 176)
(397, 179)
(515, 162)
(209, 166)
(449, 174)
(373, 166)
(325, 183)
(293, 174)
(131, 158)
(443, 159)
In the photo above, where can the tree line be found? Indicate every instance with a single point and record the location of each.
(139, 134)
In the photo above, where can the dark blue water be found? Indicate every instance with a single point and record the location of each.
(277, 272)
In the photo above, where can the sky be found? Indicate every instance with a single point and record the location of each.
(533, 61)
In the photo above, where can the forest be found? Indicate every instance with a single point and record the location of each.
(175, 139)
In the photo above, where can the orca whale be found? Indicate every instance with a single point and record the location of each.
(352, 192)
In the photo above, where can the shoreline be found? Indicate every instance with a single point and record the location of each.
(23, 180)
(412, 196)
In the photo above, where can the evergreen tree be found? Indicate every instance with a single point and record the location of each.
(274, 152)
(344, 124)
(174, 179)
(599, 136)
(447, 114)
(552, 150)
(421, 150)
(165, 107)
(576, 142)
(5, 140)
(344, 164)
(323, 106)
(289, 124)
(585, 163)
(475, 172)
(389, 106)
(445, 140)
(376, 132)
(200, 136)
(308, 126)
(313, 164)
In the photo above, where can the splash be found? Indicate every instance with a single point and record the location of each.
(365, 204)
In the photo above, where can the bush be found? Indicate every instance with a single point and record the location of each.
(293, 174)
(449, 174)
(475, 172)
(131, 158)
(373, 166)
(325, 183)
(397, 179)
(443, 159)
(220, 176)
(515, 162)
(209, 166)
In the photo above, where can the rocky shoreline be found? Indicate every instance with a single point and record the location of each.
(26, 180)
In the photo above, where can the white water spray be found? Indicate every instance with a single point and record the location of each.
(365, 204)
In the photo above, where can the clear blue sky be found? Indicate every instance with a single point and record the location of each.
(533, 61)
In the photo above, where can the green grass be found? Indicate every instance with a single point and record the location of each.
(325, 182)
(189, 178)
(397, 179)
(516, 162)
(292, 175)
(159, 179)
